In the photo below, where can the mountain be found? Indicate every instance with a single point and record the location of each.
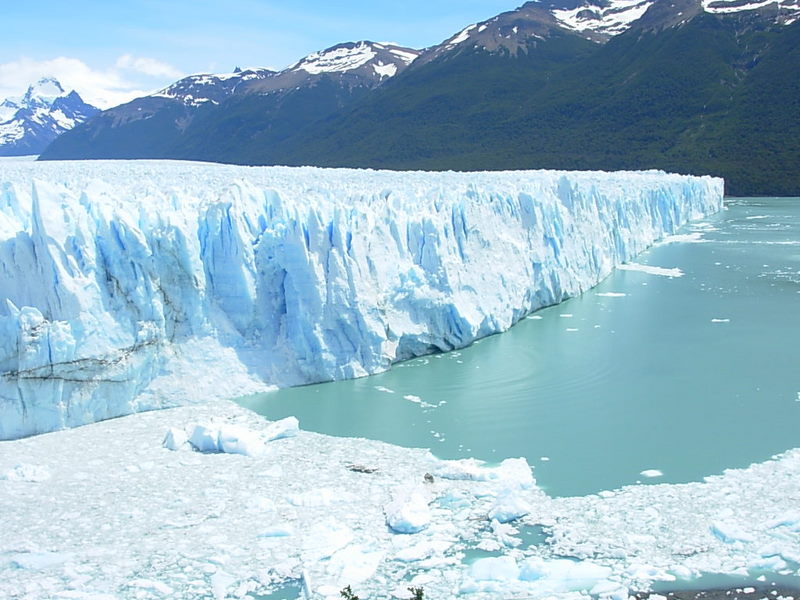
(28, 124)
(686, 87)
(220, 117)
(694, 86)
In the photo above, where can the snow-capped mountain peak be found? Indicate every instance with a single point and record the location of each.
(29, 123)
(384, 59)
(196, 90)
(44, 91)
(604, 17)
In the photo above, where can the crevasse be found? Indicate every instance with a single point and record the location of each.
(135, 285)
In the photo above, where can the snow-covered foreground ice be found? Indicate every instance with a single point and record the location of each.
(106, 511)
(127, 286)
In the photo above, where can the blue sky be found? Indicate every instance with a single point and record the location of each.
(112, 50)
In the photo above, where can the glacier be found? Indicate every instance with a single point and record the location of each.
(135, 285)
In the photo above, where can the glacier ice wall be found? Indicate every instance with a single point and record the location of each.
(135, 285)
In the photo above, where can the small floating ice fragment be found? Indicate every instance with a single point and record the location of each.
(383, 389)
(565, 315)
(720, 320)
(611, 294)
(533, 318)
(651, 473)
(413, 398)
(663, 272)
(683, 238)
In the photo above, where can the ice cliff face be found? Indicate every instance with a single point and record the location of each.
(128, 286)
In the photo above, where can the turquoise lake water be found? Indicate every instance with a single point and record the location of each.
(684, 375)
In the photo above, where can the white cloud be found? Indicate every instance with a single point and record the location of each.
(147, 66)
(129, 78)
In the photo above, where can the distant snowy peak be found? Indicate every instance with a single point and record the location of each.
(45, 91)
(29, 123)
(196, 90)
(381, 59)
(784, 11)
(369, 61)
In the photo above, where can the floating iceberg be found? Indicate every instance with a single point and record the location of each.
(136, 285)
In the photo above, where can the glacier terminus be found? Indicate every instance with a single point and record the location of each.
(135, 285)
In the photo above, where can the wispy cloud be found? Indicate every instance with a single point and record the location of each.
(129, 77)
(146, 66)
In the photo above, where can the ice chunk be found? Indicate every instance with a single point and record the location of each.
(285, 428)
(422, 550)
(650, 473)
(239, 440)
(220, 582)
(651, 270)
(227, 438)
(408, 512)
(205, 437)
(323, 539)
(175, 438)
(354, 564)
(494, 568)
(509, 506)
(730, 532)
(562, 574)
(512, 472)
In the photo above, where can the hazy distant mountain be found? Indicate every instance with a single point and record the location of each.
(700, 86)
(225, 117)
(28, 124)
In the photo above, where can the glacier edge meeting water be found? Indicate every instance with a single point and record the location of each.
(131, 286)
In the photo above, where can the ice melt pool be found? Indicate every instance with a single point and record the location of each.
(645, 378)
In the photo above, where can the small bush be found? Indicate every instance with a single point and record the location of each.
(348, 594)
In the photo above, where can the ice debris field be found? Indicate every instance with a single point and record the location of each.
(134, 285)
(131, 508)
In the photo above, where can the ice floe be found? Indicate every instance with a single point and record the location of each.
(126, 517)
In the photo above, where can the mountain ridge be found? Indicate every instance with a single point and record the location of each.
(572, 84)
